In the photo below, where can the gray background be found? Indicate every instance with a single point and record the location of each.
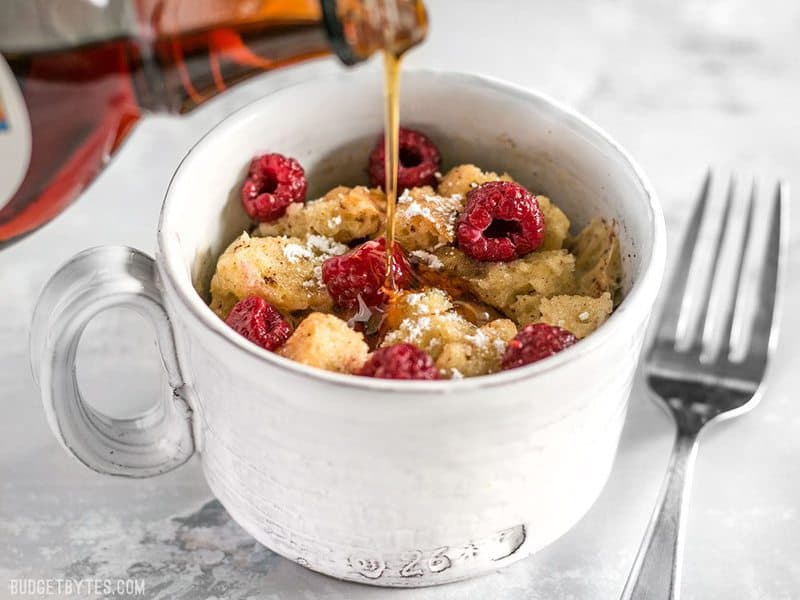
(681, 83)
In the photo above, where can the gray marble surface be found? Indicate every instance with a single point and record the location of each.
(681, 83)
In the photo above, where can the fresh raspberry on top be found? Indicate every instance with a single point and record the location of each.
(273, 182)
(419, 161)
(535, 342)
(260, 322)
(501, 221)
(401, 361)
(362, 272)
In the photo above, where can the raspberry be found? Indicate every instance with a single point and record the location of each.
(273, 182)
(401, 361)
(362, 272)
(535, 342)
(419, 161)
(500, 222)
(260, 322)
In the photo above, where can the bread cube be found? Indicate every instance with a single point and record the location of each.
(478, 353)
(285, 271)
(525, 309)
(461, 179)
(556, 224)
(430, 332)
(598, 266)
(410, 305)
(499, 283)
(425, 220)
(344, 214)
(579, 314)
(326, 342)
(459, 348)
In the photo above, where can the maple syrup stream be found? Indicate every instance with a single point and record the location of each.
(464, 303)
(391, 90)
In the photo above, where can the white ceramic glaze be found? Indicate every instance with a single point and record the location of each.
(383, 482)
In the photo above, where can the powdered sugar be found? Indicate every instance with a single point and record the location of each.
(415, 328)
(295, 252)
(429, 259)
(410, 330)
(414, 299)
(419, 302)
(317, 281)
(317, 249)
(444, 200)
(315, 246)
(325, 245)
(441, 211)
(479, 339)
(416, 210)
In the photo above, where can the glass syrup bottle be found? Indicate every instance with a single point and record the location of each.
(75, 77)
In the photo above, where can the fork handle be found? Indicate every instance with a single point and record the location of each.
(656, 571)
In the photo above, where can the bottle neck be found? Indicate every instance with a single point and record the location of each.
(357, 29)
(189, 52)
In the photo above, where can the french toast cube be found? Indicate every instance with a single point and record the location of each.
(463, 178)
(284, 271)
(424, 220)
(326, 342)
(343, 214)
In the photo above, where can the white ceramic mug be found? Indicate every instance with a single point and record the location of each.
(385, 482)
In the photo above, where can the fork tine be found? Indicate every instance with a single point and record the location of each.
(762, 326)
(727, 324)
(747, 231)
(697, 337)
(671, 312)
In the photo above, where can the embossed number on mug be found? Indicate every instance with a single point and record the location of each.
(418, 563)
(367, 567)
(411, 566)
(439, 561)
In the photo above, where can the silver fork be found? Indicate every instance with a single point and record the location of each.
(697, 385)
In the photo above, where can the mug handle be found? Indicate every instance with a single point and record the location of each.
(154, 442)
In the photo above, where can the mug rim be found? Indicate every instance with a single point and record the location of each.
(639, 298)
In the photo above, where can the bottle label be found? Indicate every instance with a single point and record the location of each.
(15, 135)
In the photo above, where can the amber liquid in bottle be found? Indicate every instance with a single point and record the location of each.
(83, 101)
